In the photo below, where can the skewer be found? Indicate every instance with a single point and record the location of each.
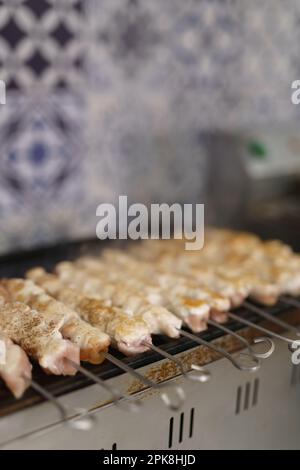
(200, 374)
(242, 320)
(174, 403)
(119, 399)
(294, 303)
(83, 422)
(244, 341)
(290, 301)
(249, 368)
(268, 316)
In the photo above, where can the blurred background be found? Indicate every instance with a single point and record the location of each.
(161, 100)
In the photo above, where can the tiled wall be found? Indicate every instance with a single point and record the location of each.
(109, 97)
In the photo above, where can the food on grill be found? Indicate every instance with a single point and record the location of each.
(122, 295)
(181, 296)
(124, 298)
(15, 369)
(193, 285)
(128, 334)
(170, 284)
(39, 336)
(233, 263)
(92, 342)
(134, 295)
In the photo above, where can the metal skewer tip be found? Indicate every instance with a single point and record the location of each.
(266, 331)
(247, 362)
(260, 355)
(172, 395)
(200, 374)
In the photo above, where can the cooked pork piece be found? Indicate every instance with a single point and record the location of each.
(190, 301)
(263, 270)
(39, 336)
(92, 342)
(184, 284)
(129, 334)
(131, 301)
(185, 303)
(167, 281)
(128, 290)
(15, 368)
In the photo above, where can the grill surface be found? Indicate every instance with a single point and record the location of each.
(15, 265)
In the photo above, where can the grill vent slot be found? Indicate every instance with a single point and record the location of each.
(171, 424)
(192, 423)
(113, 447)
(246, 396)
(295, 375)
(183, 427)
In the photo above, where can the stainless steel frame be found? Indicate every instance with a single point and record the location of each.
(233, 410)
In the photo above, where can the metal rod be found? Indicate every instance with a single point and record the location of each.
(200, 374)
(173, 402)
(246, 343)
(83, 421)
(294, 303)
(42, 391)
(268, 316)
(259, 327)
(249, 368)
(119, 399)
(290, 301)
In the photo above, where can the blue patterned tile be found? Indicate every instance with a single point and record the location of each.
(109, 96)
(42, 169)
(41, 43)
(139, 152)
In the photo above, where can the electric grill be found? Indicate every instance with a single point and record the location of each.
(234, 409)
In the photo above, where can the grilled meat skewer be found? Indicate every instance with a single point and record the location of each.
(131, 301)
(232, 262)
(91, 342)
(15, 370)
(191, 302)
(39, 336)
(128, 334)
(169, 283)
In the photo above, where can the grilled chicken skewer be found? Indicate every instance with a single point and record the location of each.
(15, 370)
(276, 266)
(229, 278)
(132, 302)
(180, 295)
(208, 267)
(129, 297)
(167, 282)
(250, 268)
(166, 311)
(232, 287)
(91, 342)
(264, 278)
(231, 261)
(128, 334)
(219, 243)
(39, 336)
